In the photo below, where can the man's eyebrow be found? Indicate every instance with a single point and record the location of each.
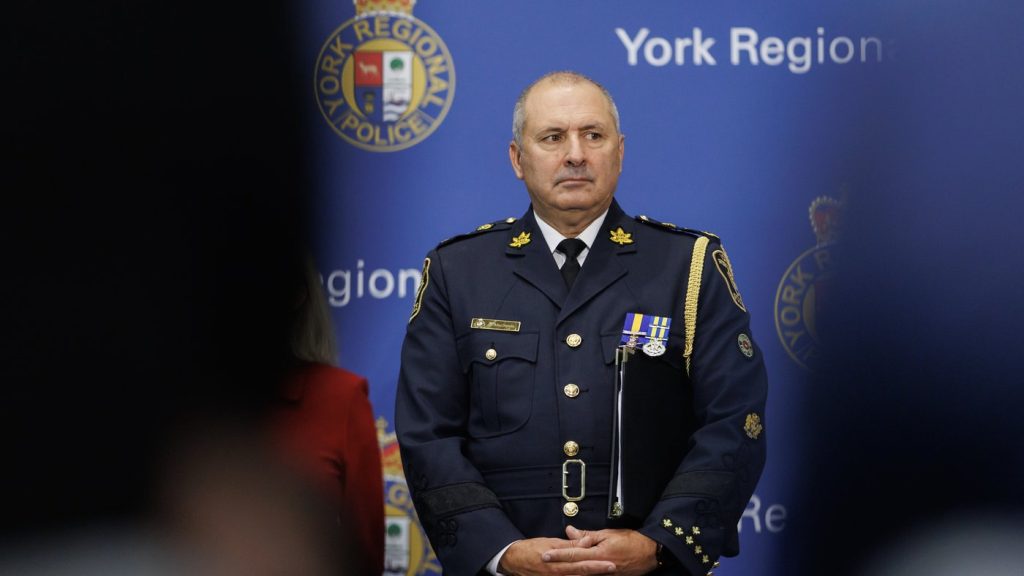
(561, 128)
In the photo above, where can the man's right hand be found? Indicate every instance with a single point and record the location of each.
(525, 558)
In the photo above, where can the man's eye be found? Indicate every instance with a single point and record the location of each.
(593, 136)
(552, 138)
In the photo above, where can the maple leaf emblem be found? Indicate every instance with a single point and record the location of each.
(621, 237)
(519, 241)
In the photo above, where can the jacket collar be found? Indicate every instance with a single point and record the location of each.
(601, 269)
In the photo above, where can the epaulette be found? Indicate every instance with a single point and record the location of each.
(673, 228)
(488, 227)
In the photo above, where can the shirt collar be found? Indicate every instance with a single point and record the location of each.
(552, 237)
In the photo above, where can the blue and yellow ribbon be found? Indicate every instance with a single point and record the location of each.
(639, 329)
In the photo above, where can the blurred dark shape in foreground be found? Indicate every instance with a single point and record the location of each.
(155, 200)
(915, 420)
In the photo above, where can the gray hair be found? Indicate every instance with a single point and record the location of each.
(562, 77)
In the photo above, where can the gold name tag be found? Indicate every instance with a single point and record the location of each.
(491, 324)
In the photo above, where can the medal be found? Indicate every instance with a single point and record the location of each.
(654, 348)
(645, 331)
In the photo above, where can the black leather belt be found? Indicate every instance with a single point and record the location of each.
(572, 477)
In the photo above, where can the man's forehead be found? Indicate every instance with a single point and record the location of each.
(554, 88)
(561, 102)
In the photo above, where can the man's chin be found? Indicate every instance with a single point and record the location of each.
(569, 202)
(581, 202)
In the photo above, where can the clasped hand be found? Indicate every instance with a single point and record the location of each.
(609, 551)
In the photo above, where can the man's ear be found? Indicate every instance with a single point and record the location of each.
(622, 150)
(515, 155)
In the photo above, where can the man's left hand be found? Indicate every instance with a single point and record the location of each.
(630, 551)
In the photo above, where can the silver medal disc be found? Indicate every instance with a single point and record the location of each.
(654, 348)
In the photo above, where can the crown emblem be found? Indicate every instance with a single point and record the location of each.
(393, 7)
(826, 215)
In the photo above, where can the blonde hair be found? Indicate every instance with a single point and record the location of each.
(312, 336)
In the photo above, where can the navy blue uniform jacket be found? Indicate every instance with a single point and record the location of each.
(483, 416)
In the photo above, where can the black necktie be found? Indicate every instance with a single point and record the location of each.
(571, 247)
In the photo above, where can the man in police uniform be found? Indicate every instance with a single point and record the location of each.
(508, 368)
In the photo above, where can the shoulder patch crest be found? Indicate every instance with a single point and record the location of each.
(670, 227)
(725, 269)
(488, 227)
(420, 290)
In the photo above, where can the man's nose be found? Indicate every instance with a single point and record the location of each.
(574, 155)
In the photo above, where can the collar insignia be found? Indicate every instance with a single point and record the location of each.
(519, 241)
(621, 237)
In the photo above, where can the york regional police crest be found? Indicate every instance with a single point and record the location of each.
(384, 80)
(803, 292)
(407, 550)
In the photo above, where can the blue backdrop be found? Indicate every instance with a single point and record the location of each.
(762, 122)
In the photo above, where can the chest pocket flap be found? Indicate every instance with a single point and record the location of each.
(500, 368)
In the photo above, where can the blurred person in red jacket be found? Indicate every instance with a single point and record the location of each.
(324, 424)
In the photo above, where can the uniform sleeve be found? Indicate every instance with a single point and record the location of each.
(364, 489)
(698, 512)
(460, 514)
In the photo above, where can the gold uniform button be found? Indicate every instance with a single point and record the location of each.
(574, 340)
(571, 448)
(570, 509)
(571, 390)
(491, 354)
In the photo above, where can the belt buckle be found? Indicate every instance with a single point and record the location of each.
(565, 480)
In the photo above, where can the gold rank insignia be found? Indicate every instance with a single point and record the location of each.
(621, 237)
(753, 426)
(519, 241)
(483, 227)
